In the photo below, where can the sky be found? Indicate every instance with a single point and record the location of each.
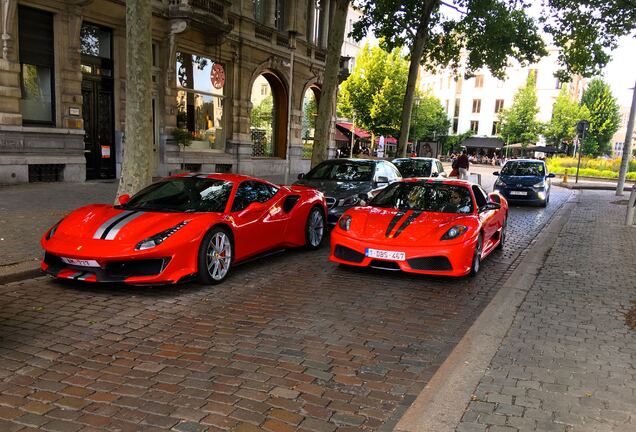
(620, 73)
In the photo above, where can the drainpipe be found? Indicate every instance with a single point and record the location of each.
(292, 47)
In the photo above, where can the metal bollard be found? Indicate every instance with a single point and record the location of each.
(631, 207)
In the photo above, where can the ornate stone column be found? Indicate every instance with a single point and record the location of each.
(10, 92)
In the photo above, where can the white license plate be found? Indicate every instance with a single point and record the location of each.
(80, 262)
(518, 193)
(387, 255)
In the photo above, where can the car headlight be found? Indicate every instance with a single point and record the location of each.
(159, 238)
(539, 185)
(51, 231)
(454, 232)
(344, 222)
(498, 182)
(348, 202)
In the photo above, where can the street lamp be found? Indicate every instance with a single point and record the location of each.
(581, 127)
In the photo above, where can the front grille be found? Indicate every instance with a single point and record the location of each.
(331, 202)
(125, 269)
(52, 260)
(434, 263)
(346, 254)
(384, 265)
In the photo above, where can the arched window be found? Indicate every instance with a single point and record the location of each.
(268, 116)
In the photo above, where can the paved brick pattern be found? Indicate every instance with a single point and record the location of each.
(568, 362)
(288, 342)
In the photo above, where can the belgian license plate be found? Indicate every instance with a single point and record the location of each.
(80, 262)
(518, 193)
(384, 254)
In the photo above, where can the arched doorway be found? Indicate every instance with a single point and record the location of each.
(310, 113)
(268, 116)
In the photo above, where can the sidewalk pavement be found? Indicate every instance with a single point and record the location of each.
(554, 350)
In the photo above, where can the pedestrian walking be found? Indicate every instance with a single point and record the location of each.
(462, 166)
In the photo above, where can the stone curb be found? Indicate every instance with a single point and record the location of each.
(19, 271)
(591, 186)
(442, 403)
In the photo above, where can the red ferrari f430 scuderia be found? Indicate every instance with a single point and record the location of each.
(441, 227)
(183, 226)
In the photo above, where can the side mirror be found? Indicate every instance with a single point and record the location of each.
(301, 176)
(382, 179)
(551, 175)
(494, 198)
(123, 199)
(253, 207)
(496, 173)
(489, 206)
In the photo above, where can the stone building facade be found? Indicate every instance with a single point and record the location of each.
(63, 95)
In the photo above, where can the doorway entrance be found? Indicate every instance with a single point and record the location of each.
(98, 101)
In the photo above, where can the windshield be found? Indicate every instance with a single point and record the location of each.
(185, 194)
(513, 168)
(413, 167)
(342, 171)
(431, 197)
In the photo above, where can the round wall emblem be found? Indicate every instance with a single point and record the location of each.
(217, 75)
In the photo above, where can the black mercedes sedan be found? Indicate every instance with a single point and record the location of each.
(343, 180)
(524, 181)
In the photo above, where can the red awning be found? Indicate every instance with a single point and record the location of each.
(360, 133)
(390, 140)
(340, 136)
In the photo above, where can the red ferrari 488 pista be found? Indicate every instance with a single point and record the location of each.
(183, 226)
(442, 227)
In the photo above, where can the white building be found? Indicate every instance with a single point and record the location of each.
(474, 104)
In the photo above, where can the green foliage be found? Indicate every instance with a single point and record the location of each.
(591, 167)
(491, 31)
(261, 115)
(519, 123)
(604, 114)
(182, 136)
(374, 90)
(428, 119)
(566, 112)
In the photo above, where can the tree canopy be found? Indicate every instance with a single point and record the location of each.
(519, 123)
(370, 93)
(604, 114)
(566, 112)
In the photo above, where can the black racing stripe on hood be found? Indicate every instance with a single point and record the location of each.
(407, 222)
(394, 222)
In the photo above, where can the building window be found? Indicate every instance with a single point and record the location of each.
(95, 41)
(37, 61)
(479, 81)
(448, 83)
(458, 86)
(455, 125)
(474, 126)
(495, 128)
(499, 104)
(259, 10)
(476, 106)
(200, 84)
(456, 112)
(279, 18)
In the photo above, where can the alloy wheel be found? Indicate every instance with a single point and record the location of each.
(219, 256)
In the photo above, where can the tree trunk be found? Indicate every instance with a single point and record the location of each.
(627, 147)
(330, 83)
(137, 147)
(414, 68)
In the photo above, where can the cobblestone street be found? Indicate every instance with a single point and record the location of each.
(288, 342)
